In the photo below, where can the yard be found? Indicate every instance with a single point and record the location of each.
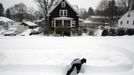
(41, 55)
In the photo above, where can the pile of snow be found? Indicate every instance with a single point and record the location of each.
(26, 32)
(98, 32)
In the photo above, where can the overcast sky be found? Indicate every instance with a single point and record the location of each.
(30, 3)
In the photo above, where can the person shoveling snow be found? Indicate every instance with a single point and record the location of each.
(76, 63)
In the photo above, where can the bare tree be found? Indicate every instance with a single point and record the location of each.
(101, 8)
(44, 6)
(127, 4)
(82, 13)
(18, 10)
(108, 9)
(103, 5)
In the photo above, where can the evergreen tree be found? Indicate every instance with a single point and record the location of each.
(90, 12)
(1, 10)
(8, 14)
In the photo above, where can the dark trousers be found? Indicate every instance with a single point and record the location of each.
(78, 68)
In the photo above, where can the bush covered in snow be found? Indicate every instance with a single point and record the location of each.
(130, 31)
(117, 32)
(121, 32)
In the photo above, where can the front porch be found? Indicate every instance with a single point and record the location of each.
(63, 26)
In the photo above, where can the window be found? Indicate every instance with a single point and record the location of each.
(63, 13)
(127, 22)
(58, 22)
(52, 23)
(67, 22)
(121, 23)
(73, 23)
(1, 23)
(128, 14)
(11, 23)
(63, 4)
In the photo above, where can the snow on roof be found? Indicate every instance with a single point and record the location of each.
(97, 17)
(81, 19)
(91, 22)
(5, 19)
(87, 21)
(54, 5)
(40, 20)
(75, 7)
(63, 18)
(30, 23)
(57, 2)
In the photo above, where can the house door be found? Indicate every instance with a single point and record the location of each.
(67, 24)
(59, 28)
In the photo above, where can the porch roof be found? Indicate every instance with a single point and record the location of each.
(62, 18)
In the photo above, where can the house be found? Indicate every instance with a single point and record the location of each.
(40, 22)
(93, 22)
(6, 23)
(99, 20)
(63, 18)
(26, 25)
(127, 20)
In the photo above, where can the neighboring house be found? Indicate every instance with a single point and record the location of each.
(63, 18)
(6, 23)
(93, 22)
(99, 20)
(40, 22)
(127, 20)
(26, 25)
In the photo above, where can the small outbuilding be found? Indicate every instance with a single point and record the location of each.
(26, 25)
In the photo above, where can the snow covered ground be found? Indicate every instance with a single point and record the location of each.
(40, 55)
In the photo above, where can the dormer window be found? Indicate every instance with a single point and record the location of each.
(63, 4)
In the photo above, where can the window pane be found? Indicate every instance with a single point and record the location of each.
(66, 22)
(58, 22)
(121, 23)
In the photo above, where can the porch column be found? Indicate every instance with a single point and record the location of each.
(54, 27)
(63, 27)
(71, 27)
(62, 22)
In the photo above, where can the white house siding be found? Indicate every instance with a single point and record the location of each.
(127, 20)
(6, 22)
(21, 28)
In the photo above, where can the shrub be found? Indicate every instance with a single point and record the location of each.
(130, 32)
(121, 32)
(105, 32)
(113, 32)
